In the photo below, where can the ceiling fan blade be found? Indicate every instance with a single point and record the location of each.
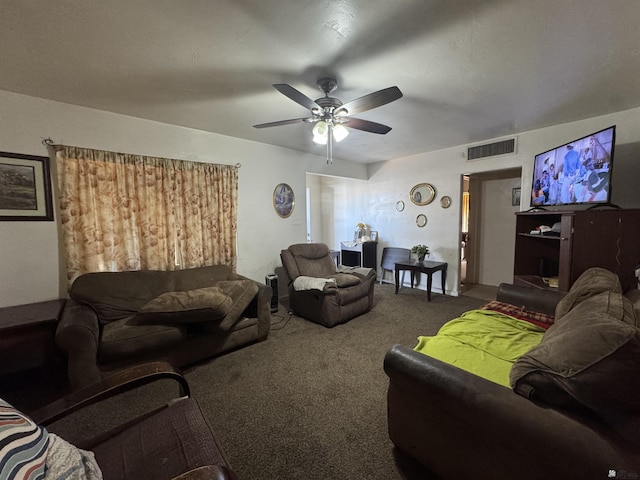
(373, 100)
(367, 126)
(285, 122)
(297, 96)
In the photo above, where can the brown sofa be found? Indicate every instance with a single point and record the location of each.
(319, 292)
(115, 319)
(573, 411)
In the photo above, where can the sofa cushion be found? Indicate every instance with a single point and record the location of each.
(241, 292)
(118, 295)
(345, 280)
(200, 305)
(120, 339)
(588, 360)
(23, 445)
(310, 259)
(189, 443)
(591, 282)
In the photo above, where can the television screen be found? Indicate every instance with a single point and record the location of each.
(576, 172)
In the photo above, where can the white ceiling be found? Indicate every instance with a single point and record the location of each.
(469, 70)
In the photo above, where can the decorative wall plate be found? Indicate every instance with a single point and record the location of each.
(445, 201)
(422, 194)
(399, 205)
(283, 200)
(421, 220)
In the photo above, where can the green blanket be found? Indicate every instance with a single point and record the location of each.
(483, 342)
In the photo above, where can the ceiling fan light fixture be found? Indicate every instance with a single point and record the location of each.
(320, 132)
(340, 132)
(331, 116)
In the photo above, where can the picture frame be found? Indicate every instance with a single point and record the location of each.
(515, 197)
(25, 188)
(374, 236)
(284, 200)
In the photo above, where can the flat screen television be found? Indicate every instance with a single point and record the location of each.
(578, 172)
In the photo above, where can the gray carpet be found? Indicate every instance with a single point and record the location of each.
(310, 402)
(307, 403)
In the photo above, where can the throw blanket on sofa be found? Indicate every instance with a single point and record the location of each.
(483, 342)
(312, 283)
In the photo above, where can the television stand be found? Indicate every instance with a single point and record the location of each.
(604, 238)
(604, 205)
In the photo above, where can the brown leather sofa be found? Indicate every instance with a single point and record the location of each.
(460, 425)
(320, 293)
(116, 319)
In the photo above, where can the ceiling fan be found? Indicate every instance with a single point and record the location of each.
(331, 116)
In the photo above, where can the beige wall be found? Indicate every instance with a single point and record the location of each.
(30, 268)
(348, 201)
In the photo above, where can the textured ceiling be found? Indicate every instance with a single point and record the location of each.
(469, 70)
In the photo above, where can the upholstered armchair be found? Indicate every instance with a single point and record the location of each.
(322, 293)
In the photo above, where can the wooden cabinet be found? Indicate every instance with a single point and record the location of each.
(360, 255)
(587, 238)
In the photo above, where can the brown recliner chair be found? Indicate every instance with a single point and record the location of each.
(321, 293)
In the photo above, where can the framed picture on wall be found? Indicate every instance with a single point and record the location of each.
(25, 188)
(283, 200)
(515, 197)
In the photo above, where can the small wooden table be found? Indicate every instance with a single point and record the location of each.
(27, 335)
(423, 267)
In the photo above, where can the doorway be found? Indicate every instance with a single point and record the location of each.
(487, 230)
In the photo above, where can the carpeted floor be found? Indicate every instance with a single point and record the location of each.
(309, 402)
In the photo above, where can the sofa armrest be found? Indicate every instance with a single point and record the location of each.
(534, 299)
(208, 472)
(111, 385)
(261, 305)
(460, 425)
(78, 336)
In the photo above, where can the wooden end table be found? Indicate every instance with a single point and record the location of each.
(427, 267)
(27, 335)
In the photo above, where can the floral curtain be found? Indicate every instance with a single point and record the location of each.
(130, 212)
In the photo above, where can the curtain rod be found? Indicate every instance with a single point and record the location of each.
(48, 142)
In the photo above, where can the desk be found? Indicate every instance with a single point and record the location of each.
(360, 255)
(425, 267)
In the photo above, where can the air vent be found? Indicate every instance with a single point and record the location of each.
(492, 149)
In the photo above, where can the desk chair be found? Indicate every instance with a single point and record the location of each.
(391, 255)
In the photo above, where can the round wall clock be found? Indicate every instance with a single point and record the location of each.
(445, 201)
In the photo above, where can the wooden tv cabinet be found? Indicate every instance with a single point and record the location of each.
(608, 238)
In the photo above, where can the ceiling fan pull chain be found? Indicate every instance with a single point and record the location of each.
(330, 144)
